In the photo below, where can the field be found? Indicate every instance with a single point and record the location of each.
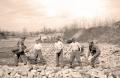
(109, 62)
(6, 45)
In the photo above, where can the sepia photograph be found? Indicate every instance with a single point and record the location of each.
(59, 38)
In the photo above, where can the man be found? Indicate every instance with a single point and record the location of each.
(59, 51)
(36, 53)
(94, 51)
(76, 49)
(19, 51)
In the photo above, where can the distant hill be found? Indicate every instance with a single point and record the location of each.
(102, 34)
(108, 34)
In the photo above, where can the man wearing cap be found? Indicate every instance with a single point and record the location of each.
(94, 51)
(59, 51)
(19, 51)
(76, 49)
(37, 53)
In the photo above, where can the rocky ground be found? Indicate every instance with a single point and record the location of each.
(109, 66)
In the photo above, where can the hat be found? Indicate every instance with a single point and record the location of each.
(90, 41)
(59, 38)
(73, 39)
(23, 37)
(38, 39)
(93, 41)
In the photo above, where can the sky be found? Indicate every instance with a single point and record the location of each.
(33, 15)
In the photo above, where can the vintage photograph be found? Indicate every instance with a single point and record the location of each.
(59, 38)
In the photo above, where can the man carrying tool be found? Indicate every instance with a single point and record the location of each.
(19, 51)
(94, 51)
(59, 51)
(36, 52)
(76, 49)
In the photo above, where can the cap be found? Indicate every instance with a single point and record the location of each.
(23, 37)
(73, 39)
(59, 38)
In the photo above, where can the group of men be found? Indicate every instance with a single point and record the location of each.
(74, 47)
(20, 49)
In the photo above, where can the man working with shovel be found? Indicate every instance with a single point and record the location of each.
(94, 51)
(19, 51)
(36, 53)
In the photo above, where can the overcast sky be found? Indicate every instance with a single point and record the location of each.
(34, 14)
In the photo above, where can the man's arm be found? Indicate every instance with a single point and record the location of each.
(18, 43)
(80, 47)
(88, 54)
(55, 46)
(70, 47)
(62, 45)
(97, 52)
(29, 49)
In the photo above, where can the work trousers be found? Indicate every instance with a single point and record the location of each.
(59, 56)
(94, 60)
(75, 54)
(37, 55)
(20, 56)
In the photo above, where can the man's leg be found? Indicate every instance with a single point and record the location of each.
(72, 57)
(24, 58)
(61, 57)
(16, 56)
(36, 56)
(94, 60)
(16, 59)
(40, 56)
(77, 56)
(20, 59)
(57, 59)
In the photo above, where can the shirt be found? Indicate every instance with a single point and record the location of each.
(37, 46)
(59, 45)
(21, 45)
(75, 46)
(94, 50)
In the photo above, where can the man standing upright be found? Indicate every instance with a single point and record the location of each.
(37, 52)
(19, 51)
(76, 49)
(59, 51)
(94, 51)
